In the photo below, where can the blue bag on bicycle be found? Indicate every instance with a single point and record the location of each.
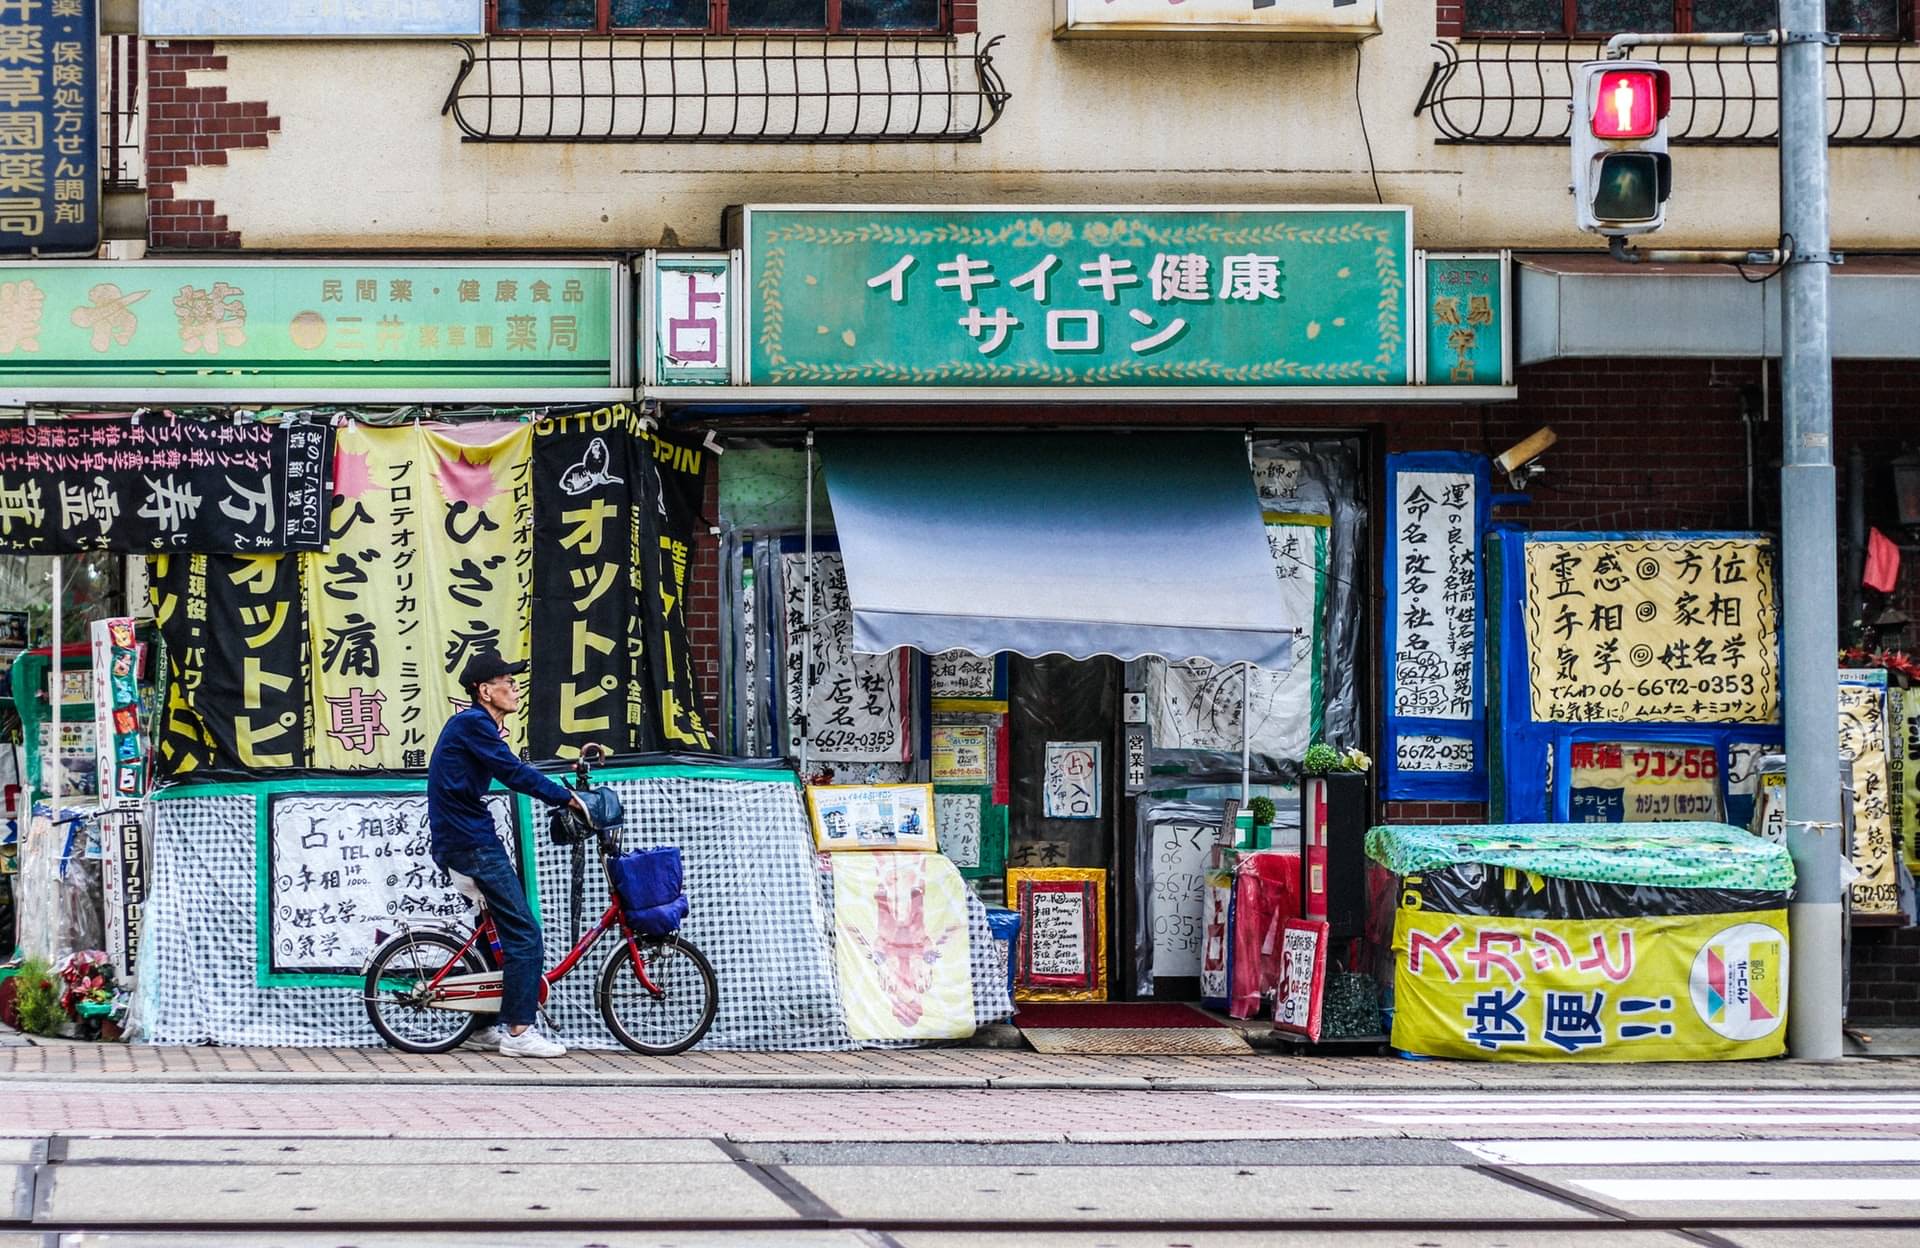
(650, 885)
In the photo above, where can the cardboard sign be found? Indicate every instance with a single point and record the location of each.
(343, 867)
(872, 816)
(1181, 849)
(1071, 782)
(1303, 975)
(962, 753)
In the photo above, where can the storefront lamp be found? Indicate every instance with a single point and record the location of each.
(1906, 490)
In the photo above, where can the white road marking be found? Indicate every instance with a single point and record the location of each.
(1585, 1099)
(1764, 1190)
(1621, 1152)
(1729, 1117)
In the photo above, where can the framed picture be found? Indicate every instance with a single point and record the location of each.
(1062, 952)
(872, 816)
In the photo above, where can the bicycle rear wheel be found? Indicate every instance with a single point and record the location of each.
(671, 1022)
(396, 997)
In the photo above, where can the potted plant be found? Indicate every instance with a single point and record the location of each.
(1263, 812)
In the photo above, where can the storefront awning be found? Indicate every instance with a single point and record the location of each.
(1590, 305)
(1077, 544)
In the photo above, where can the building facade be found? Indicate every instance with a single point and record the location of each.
(576, 130)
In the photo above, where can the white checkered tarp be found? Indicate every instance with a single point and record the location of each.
(758, 913)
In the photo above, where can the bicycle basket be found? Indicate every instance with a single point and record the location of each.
(650, 884)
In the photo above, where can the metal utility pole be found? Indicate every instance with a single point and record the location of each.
(1817, 916)
(1809, 545)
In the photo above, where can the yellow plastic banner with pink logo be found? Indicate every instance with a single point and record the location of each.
(1658, 988)
(901, 946)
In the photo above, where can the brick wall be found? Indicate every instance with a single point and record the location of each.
(966, 16)
(1886, 976)
(703, 600)
(187, 127)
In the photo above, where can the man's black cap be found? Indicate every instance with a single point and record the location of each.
(486, 666)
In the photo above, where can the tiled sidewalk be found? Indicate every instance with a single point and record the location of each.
(923, 1068)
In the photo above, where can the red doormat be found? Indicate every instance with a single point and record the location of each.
(1110, 1016)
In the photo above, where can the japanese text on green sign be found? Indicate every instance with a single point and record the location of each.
(1025, 297)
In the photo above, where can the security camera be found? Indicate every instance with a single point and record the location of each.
(1517, 460)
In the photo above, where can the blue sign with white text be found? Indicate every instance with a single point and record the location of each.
(49, 136)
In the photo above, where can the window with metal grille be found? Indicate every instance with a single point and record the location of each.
(787, 17)
(122, 164)
(1864, 19)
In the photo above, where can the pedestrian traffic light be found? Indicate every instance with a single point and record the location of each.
(1621, 172)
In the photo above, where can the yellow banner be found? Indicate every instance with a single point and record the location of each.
(429, 563)
(901, 945)
(1671, 631)
(1656, 989)
(1863, 739)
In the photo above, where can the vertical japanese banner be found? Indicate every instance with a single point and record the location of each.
(679, 466)
(235, 628)
(431, 563)
(1435, 713)
(49, 143)
(590, 496)
(1903, 713)
(1863, 744)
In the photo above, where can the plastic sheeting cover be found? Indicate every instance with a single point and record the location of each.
(1677, 855)
(759, 914)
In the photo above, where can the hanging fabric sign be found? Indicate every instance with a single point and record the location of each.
(1435, 713)
(430, 564)
(1863, 744)
(235, 628)
(855, 704)
(679, 488)
(593, 525)
(1200, 705)
(1675, 631)
(163, 484)
(1903, 714)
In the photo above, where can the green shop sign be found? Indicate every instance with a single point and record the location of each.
(312, 330)
(1463, 296)
(1101, 297)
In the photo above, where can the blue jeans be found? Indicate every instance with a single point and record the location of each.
(522, 954)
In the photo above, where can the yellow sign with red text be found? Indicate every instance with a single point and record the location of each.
(1664, 988)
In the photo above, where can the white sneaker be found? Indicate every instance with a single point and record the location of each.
(487, 1037)
(529, 1043)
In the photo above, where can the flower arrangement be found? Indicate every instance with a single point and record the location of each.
(1323, 760)
(1899, 662)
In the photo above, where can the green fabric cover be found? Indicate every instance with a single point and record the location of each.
(1662, 855)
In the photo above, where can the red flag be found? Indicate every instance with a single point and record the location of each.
(1883, 563)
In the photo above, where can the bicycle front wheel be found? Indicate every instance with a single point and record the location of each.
(674, 1020)
(396, 994)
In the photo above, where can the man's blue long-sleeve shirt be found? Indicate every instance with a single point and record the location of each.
(469, 755)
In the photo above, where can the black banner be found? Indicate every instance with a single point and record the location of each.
(680, 464)
(235, 628)
(614, 514)
(163, 484)
(590, 494)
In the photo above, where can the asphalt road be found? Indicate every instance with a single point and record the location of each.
(420, 1164)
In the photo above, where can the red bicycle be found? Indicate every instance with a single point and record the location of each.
(426, 987)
